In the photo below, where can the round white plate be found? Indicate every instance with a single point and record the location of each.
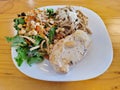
(95, 63)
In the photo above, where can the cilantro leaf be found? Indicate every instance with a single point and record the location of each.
(37, 39)
(18, 21)
(9, 39)
(51, 33)
(34, 57)
(16, 41)
(16, 27)
(21, 21)
(19, 60)
(50, 12)
(22, 55)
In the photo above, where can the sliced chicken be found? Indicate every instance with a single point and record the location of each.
(69, 51)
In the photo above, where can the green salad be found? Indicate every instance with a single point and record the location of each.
(33, 36)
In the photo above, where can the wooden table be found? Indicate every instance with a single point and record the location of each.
(12, 79)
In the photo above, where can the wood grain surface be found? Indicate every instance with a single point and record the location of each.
(12, 79)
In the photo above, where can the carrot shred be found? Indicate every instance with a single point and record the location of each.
(40, 31)
(29, 18)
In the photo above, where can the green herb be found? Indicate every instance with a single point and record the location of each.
(50, 12)
(37, 39)
(23, 50)
(19, 60)
(16, 41)
(21, 21)
(9, 39)
(16, 27)
(18, 21)
(22, 55)
(34, 60)
(51, 33)
(34, 57)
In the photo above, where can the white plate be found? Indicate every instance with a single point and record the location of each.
(95, 63)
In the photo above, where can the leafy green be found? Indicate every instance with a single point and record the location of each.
(34, 57)
(19, 60)
(50, 12)
(9, 39)
(23, 50)
(21, 21)
(16, 41)
(37, 39)
(18, 21)
(51, 33)
(22, 55)
(16, 27)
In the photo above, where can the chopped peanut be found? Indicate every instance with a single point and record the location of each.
(51, 46)
(20, 25)
(22, 31)
(51, 22)
(57, 30)
(33, 32)
(55, 41)
(62, 29)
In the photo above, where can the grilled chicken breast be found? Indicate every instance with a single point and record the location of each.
(69, 51)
